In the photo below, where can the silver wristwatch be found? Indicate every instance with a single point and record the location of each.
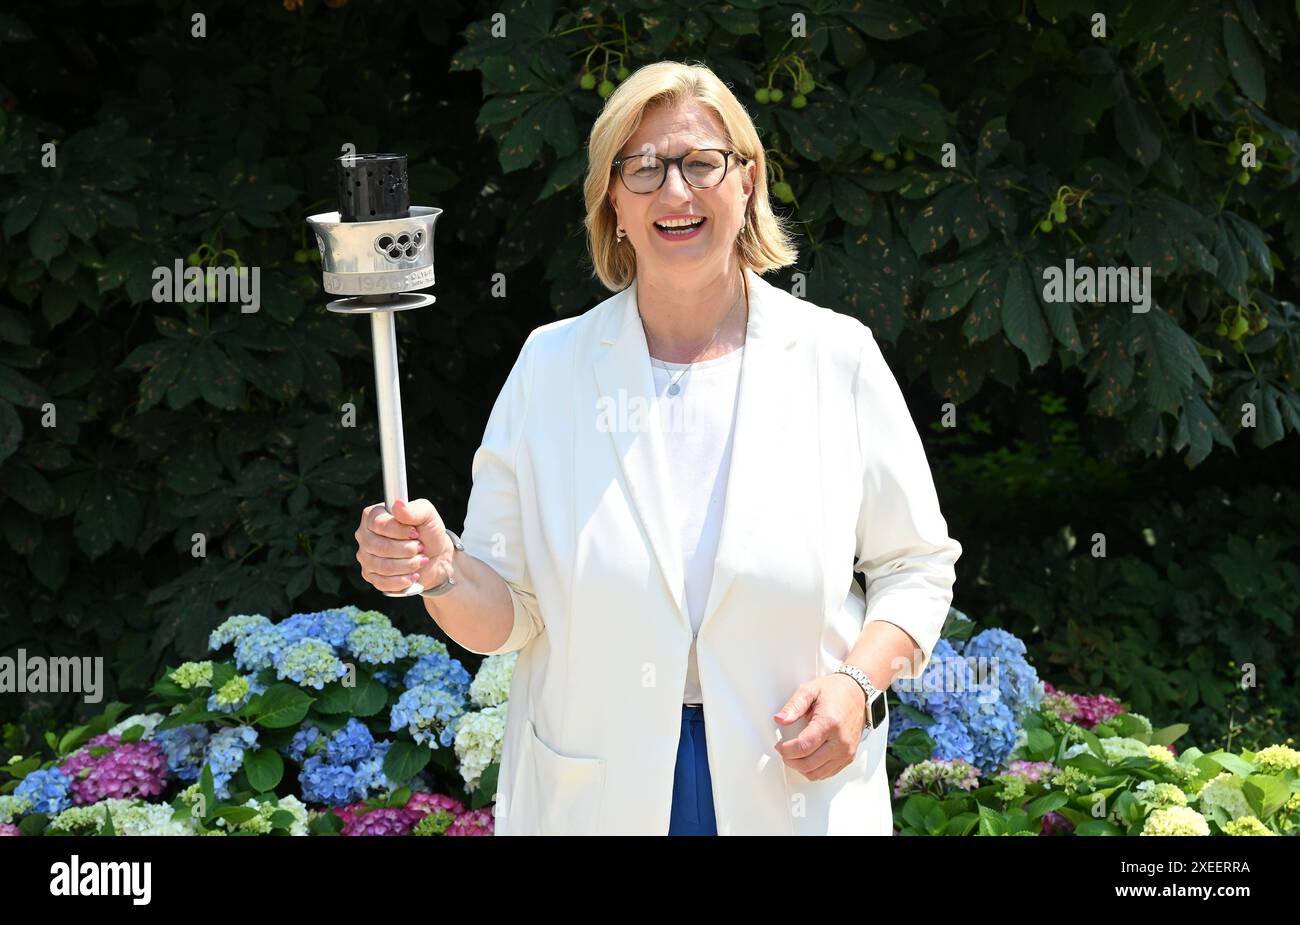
(876, 709)
(450, 582)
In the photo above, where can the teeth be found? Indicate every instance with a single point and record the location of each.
(680, 223)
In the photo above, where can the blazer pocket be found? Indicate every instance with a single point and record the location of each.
(566, 791)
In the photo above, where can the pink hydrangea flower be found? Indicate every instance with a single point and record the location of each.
(1087, 710)
(1095, 708)
(131, 769)
(7, 829)
(391, 821)
(474, 822)
(400, 821)
(1030, 771)
(431, 802)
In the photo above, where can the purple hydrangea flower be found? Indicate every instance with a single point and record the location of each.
(131, 769)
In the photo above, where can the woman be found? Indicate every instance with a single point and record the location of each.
(671, 496)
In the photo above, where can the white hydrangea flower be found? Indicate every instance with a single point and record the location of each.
(1117, 748)
(1225, 792)
(1176, 820)
(130, 818)
(149, 721)
(478, 742)
(11, 806)
(491, 685)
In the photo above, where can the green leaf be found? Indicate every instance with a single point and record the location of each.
(281, 706)
(1022, 318)
(736, 20)
(881, 20)
(894, 105)
(1192, 54)
(20, 210)
(912, 745)
(405, 760)
(1234, 763)
(1045, 804)
(107, 827)
(1097, 827)
(208, 790)
(1170, 359)
(1135, 124)
(47, 237)
(264, 768)
(366, 698)
(991, 822)
(566, 173)
(1243, 58)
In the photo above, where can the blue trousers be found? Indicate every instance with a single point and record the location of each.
(692, 787)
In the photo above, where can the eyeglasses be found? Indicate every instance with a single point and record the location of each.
(701, 168)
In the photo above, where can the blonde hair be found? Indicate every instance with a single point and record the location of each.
(764, 242)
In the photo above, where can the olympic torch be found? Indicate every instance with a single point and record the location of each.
(377, 251)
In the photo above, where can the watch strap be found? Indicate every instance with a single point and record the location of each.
(451, 581)
(868, 688)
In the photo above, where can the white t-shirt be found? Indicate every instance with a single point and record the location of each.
(698, 429)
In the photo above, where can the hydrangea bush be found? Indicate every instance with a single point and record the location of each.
(1001, 753)
(324, 723)
(338, 723)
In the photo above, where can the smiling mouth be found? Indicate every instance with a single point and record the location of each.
(679, 229)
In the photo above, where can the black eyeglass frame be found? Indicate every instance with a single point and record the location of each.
(726, 153)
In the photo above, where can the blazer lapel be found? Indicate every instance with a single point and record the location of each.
(625, 384)
(768, 394)
(626, 381)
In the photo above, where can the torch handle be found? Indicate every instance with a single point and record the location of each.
(388, 396)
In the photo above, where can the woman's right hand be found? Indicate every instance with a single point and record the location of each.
(410, 544)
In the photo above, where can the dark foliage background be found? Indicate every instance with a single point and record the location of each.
(1071, 419)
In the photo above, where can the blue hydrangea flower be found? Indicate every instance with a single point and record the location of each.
(938, 690)
(235, 628)
(324, 782)
(226, 755)
(993, 729)
(334, 626)
(350, 743)
(1018, 682)
(184, 747)
(377, 643)
(370, 777)
(257, 648)
(439, 670)
(303, 742)
(428, 714)
(388, 678)
(976, 719)
(46, 791)
(951, 737)
(298, 627)
(310, 662)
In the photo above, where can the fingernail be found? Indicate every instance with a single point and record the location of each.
(414, 534)
(419, 547)
(424, 560)
(415, 578)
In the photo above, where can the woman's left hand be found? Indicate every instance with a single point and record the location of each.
(836, 708)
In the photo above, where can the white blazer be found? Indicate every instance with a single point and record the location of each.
(571, 505)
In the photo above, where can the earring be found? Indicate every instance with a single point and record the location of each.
(621, 234)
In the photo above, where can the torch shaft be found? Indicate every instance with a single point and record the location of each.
(388, 395)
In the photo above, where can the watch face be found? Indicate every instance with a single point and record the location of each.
(878, 711)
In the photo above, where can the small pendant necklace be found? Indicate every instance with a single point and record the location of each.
(673, 387)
